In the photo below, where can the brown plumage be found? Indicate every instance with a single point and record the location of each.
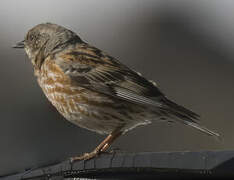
(94, 90)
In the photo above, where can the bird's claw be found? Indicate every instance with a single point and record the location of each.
(85, 156)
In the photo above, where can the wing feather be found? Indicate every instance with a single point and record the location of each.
(100, 72)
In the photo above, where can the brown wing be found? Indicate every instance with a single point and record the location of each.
(89, 67)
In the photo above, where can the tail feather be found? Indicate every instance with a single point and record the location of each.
(204, 130)
(181, 111)
(187, 117)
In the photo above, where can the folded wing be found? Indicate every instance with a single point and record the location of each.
(97, 71)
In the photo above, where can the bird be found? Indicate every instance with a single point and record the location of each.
(94, 90)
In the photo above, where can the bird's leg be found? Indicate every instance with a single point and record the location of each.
(102, 147)
(112, 137)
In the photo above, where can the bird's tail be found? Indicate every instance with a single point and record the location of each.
(187, 117)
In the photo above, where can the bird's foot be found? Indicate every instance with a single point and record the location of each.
(85, 156)
(113, 150)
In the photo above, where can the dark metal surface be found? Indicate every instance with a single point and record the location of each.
(139, 166)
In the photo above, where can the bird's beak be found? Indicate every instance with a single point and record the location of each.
(19, 45)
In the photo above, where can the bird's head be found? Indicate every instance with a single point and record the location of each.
(44, 39)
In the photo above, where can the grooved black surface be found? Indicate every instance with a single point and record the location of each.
(139, 165)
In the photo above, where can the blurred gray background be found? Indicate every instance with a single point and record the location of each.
(185, 46)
